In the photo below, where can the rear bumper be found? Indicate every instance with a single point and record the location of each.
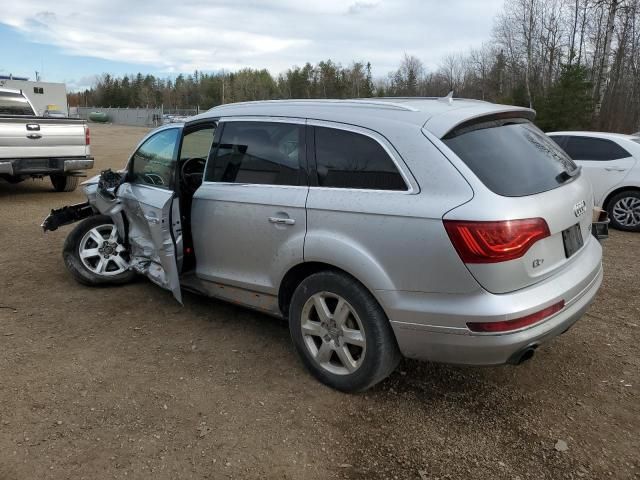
(433, 326)
(45, 166)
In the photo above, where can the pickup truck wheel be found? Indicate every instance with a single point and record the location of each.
(94, 254)
(624, 211)
(341, 333)
(64, 183)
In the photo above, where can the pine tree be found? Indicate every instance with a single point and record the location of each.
(569, 104)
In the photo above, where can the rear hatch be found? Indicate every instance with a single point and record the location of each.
(532, 208)
(30, 137)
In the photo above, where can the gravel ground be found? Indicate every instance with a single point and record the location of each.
(125, 383)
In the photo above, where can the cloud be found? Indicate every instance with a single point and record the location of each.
(359, 7)
(183, 36)
(83, 83)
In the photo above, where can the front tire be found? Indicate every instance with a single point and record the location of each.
(624, 211)
(64, 183)
(95, 255)
(341, 333)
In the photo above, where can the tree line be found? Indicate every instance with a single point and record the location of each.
(577, 62)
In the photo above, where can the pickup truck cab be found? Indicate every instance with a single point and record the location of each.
(37, 147)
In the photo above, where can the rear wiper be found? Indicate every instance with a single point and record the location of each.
(566, 175)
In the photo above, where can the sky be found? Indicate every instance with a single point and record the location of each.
(72, 41)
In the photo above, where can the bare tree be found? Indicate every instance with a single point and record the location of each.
(600, 85)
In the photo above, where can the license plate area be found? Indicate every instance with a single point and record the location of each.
(572, 239)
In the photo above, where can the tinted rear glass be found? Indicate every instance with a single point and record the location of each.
(598, 149)
(352, 160)
(14, 104)
(511, 157)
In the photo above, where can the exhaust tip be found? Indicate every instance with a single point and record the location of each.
(523, 355)
(527, 355)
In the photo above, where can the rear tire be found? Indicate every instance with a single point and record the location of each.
(624, 211)
(341, 333)
(88, 237)
(64, 183)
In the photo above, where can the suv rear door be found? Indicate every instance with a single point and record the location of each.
(248, 216)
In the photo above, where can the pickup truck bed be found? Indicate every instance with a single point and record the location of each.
(43, 145)
(32, 146)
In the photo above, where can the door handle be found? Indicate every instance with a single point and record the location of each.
(153, 220)
(34, 136)
(282, 221)
(615, 169)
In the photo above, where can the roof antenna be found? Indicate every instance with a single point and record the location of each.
(448, 99)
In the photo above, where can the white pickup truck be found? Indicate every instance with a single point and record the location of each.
(36, 147)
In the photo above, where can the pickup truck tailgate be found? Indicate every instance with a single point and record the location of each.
(36, 137)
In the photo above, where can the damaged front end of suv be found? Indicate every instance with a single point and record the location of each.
(106, 183)
(122, 232)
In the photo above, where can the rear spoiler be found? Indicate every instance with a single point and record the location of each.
(488, 121)
(450, 122)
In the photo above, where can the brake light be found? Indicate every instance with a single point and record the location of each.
(517, 323)
(492, 242)
(87, 136)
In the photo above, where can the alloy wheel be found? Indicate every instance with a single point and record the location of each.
(626, 211)
(101, 251)
(333, 333)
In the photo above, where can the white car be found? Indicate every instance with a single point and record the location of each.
(610, 161)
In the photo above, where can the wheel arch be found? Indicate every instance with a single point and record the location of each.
(299, 272)
(617, 190)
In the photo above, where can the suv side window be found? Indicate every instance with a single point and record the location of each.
(197, 143)
(264, 153)
(154, 162)
(347, 159)
(589, 148)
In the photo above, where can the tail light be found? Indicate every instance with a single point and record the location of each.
(87, 136)
(493, 242)
(517, 323)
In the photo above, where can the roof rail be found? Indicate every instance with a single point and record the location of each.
(436, 98)
(380, 102)
(350, 101)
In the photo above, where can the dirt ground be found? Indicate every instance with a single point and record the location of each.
(124, 383)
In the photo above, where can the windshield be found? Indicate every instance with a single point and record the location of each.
(512, 157)
(14, 104)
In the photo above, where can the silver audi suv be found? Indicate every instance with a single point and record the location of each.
(439, 229)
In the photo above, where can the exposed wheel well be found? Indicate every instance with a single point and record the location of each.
(296, 275)
(605, 204)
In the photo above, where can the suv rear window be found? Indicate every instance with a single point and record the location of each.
(14, 104)
(351, 160)
(512, 157)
